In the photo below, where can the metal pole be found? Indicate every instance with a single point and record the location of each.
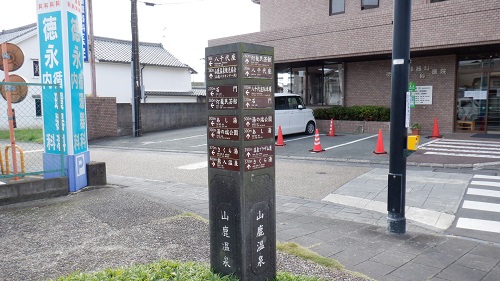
(396, 221)
(136, 70)
(92, 49)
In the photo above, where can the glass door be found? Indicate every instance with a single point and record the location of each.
(493, 116)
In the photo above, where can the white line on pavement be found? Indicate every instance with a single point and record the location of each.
(150, 142)
(486, 177)
(424, 216)
(194, 166)
(299, 138)
(462, 154)
(462, 147)
(351, 142)
(428, 143)
(482, 225)
(469, 141)
(481, 206)
(199, 145)
(486, 183)
(483, 192)
(461, 150)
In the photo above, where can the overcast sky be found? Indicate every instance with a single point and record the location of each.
(182, 26)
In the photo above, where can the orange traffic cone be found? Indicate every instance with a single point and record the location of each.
(317, 144)
(280, 141)
(332, 129)
(380, 144)
(435, 130)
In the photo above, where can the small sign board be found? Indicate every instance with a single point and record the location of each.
(223, 127)
(222, 66)
(259, 157)
(222, 97)
(257, 97)
(257, 66)
(423, 95)
(224, 157)
(258, 127)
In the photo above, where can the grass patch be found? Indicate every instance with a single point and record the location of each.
(167, 270)
(24, 135)
(304, 253)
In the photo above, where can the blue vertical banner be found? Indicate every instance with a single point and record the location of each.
(61, 61)
(84, 32)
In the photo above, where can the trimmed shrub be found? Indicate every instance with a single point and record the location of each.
(354, 113)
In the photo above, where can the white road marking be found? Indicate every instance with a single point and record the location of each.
(150, 142)
(298, 138)
(351, 142)
(483, 192)
(469, 141)
(482, 225)
(462, 150)
(481, 206)
(428, 143)
(486, 177)
(199, 145)
(486, 183)
(470, 146)
(194, 166)
(481, 148)
(462, 154)
(429, 217)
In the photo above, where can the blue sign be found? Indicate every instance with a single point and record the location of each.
(52, 65)
(84, 32)
(79, 117)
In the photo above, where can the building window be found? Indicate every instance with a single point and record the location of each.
(369, 4)
(36, 68)
(38, 107)
(435, 1)
(337, 7)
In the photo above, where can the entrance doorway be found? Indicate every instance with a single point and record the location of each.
(478, 95)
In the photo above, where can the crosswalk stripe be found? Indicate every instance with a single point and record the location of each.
(483, 192)
(462, 150)
(469, 141)
(466, 144)
(481, 148)
(461, 154)
(482, 225)
(481, 206)
(486, 183)
(486, 177)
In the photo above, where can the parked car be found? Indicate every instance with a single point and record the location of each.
(292, 115)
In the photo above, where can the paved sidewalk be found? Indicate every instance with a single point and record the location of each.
(357, 237)
(354, 236)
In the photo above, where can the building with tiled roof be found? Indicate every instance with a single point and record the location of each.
(165, 78)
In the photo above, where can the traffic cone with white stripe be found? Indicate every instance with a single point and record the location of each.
(317, 143)
(380, 144)
(332, 129)
(435, 130)
(280, 141)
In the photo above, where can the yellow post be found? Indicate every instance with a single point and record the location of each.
(21, 156)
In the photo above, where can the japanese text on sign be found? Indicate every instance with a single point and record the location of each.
(222, 97)
(257, 66)
(224, 157)
(223, 127)
(258, 127)
(257, 97)
(260, 249)
(223, 66)
(259, 157)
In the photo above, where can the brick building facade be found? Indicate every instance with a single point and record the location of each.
(338, 52)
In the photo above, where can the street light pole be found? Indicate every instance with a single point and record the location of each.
(396, 221)
(136, 71)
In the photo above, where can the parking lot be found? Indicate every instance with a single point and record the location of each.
(453, 150)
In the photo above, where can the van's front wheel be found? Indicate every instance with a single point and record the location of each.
(310, 128)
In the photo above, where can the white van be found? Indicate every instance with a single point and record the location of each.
(291, 114)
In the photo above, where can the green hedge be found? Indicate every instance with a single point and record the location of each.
(354, 113)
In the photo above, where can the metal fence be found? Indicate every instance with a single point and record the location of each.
(23, 145)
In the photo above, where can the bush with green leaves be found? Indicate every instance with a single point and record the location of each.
(354, 113)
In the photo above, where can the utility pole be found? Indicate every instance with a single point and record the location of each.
(396, 221)
(92, 49)
(136, 71)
